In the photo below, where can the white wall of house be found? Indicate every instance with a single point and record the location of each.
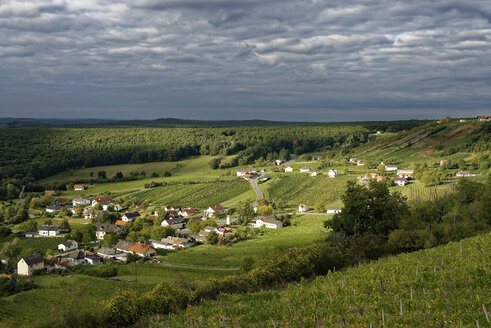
(25, 270)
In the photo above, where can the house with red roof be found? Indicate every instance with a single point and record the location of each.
(215, 209)
(142, 249)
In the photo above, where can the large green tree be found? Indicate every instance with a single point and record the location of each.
(372, 210)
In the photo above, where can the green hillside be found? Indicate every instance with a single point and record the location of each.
(451, 140)
(444, 286)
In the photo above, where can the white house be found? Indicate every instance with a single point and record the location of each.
(80, 201)
(215, 209)
(48, 231)
(333, 210)
(391, 167)
(303, 208)
(288, 169)
(359, 162)
(313, 174)
(332, 173)
(401, 182)
(483, 118)
(267, 222)
(464, 174)
(78, 187)
(241, 172)
(405, 173)
(278, 162)
(76, 258)
(304, 169)
(30, 263)
(103, 228)
(174, 223)
(68, 245)
(188, 211)
(130, 216)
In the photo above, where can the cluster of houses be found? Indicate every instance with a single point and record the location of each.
(307, 169)
(480, 118)
(355, 161)
(247, 173)
(302, 208)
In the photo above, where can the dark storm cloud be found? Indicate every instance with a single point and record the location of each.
(238, 59)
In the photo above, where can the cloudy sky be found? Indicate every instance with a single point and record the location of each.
(305, 60)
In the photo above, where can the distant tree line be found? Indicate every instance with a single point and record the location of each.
(32, 154)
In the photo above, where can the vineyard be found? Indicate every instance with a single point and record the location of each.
(40, 245)
(57, 297)
(196, 194)
(295, 189)
(444, 286)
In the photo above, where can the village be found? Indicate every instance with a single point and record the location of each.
(181, 227)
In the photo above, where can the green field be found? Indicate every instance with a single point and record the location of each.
(196, 166)
(304, 230)
(444, 286)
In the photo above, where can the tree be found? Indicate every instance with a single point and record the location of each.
(10, 252)
(215, 163)
(381, 169)
(118, 176)
(98, 207)
(101, 175)
(65, 226)
(245, 210)
(320, 208)
(265, 210)
(247, 264)
(212, 238)
(368, 210)
(110, 239)
(160, 232)
(29, 226)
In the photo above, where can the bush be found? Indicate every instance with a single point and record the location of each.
(101, 271)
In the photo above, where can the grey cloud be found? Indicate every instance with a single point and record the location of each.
(245, 59)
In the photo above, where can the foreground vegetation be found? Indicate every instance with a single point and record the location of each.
(447, 284)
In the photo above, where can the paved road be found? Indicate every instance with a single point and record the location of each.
(259, 193)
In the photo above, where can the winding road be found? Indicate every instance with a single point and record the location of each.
(259, 193)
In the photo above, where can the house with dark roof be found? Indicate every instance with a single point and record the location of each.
(305, 169)
(112, 254)
(68, 245)
(333, 210)
(123, 245)
(27, 265)
(174, 223)
(48, 231)
(130, 216)
(103, 228)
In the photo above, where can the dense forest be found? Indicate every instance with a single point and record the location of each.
(31, 154)
(388, 126)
